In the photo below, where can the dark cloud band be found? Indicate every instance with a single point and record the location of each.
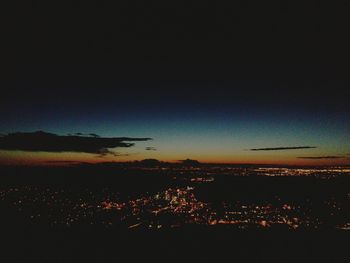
(283, 148)
(320, 157)
(49, 142)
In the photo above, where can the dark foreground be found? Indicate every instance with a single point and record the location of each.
(174, 214)
(185, 245)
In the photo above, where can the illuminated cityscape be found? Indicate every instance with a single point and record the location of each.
(192, 200)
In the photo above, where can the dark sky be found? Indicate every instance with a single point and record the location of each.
(184, 73)
(89, 49)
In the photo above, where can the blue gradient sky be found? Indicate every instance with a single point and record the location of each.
(206, 83)
(213, 119)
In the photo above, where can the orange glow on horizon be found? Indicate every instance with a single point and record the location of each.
(64, 159)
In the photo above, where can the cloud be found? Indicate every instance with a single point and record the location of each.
(61, 161)
(105, 152)
(151, 148)
(84, 134)
(48, 142)
(321, 157)
(283, 148)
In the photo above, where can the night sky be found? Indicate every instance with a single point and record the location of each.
(247, 78)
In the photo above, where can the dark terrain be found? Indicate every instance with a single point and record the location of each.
(218, 232)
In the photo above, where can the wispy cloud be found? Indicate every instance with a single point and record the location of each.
(48, 142)
(63, 162)
(83, 134)
(283, 148)
(106, 152)
(321, 157)
(151, 148)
